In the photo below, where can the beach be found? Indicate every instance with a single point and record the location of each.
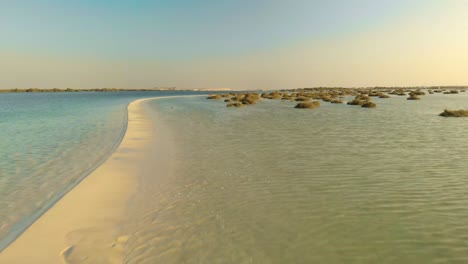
(194, 181)
(233, 132)
(83, 226)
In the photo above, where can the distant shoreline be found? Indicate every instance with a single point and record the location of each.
(70, 90)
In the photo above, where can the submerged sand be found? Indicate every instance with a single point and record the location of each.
(83, 227)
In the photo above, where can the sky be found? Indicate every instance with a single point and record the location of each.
(238, 44)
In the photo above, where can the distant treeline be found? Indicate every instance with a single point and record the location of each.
(57, 90)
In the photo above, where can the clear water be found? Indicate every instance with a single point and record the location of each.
(274, 184)
(48, 143)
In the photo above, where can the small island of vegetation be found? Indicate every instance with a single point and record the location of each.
(454, 113)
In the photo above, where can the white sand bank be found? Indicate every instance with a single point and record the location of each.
(83, 227)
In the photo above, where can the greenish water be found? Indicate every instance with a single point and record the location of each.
(273, 184)
(51, 141)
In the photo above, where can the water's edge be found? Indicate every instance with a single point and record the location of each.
(11, 237)
(21, 227)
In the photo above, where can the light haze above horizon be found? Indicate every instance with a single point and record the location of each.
(244, 44)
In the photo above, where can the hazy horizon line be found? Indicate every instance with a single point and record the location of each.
(240, 89)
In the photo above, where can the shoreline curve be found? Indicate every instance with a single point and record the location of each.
(83, 225)
(9, 239)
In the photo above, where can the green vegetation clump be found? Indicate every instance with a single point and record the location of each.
(417, 92)
(399, 92)
(308, 105)
(272, 95)
(238, 97)
(235, 105)
(215, 97)
(369, 105)
(356, 102)
(336, 101)
(375, 94)
(275, 95)
(363, 97)
(413, 97)
(454, 113)
(250, 98)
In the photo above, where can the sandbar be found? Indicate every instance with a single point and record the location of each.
(83, 226)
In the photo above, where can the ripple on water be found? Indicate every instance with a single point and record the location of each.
(339, 184)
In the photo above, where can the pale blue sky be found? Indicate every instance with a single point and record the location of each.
(218, 43)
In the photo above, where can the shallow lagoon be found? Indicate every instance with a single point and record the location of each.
(273, 184)
(261, 184)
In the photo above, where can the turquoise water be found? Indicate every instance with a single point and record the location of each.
(273, 184)
(48, 143)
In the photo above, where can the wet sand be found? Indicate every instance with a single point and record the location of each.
(84, 226)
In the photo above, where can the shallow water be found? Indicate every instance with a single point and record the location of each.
(48, 143)
(273, 184)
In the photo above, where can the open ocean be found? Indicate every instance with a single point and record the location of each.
(261, 184)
